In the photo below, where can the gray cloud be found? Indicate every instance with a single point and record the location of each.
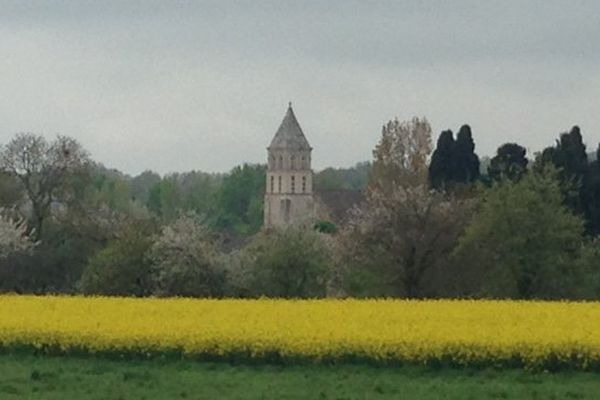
(175, 86)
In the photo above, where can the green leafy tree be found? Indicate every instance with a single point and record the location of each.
(142, 184)
(178, 193)
(353, 178)
(240, 199)
(98, 208)
(524, 240)
(329, 179)
(122, 268)
(55, 265)
(164, 199)
(588, 263)
(112, 189)
(199, 191)
(293, 262)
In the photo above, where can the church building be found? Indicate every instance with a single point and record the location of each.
(289, 191)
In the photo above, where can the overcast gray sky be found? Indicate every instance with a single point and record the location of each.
(176, 86)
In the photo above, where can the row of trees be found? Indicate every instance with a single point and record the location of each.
(430, 225)
(59, 209)
(443, 230)
(184, 258)
(454, 163)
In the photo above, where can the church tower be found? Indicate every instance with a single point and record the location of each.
(289, 193)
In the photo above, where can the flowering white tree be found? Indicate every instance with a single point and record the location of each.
(13, 236)
(185, 260)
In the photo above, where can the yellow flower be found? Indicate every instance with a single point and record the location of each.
(532, 334)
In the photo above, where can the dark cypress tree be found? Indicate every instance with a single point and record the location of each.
(466, 162)
(441, 168)
(570, 157)
(578, 160)
(591, 196)
(509, 162)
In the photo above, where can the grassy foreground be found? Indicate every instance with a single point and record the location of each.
(30, 377)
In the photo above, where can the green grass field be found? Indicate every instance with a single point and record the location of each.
(29, 377)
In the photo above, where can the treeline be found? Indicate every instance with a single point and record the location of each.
(433, 223)
(59, 209)
(578, 171)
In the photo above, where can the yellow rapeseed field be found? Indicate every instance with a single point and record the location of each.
(458, 332)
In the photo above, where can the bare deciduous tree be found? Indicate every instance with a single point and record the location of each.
(42, 167)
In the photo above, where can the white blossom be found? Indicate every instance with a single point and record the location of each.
(13, 236)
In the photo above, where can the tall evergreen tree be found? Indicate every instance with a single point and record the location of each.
(569, 154)
(509, 162)
(466, 167)
(591, 196)
(570, 157)
(441, 168)
(576, 161)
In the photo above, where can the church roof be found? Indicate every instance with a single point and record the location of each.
(289, 135)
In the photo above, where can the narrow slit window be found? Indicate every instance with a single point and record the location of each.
(303, 184)
(279, 184)
(272, 184)
(293, 184)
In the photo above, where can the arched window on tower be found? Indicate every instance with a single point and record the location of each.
(293, 184)
(272, 183)
(303, 162)
(279, 184)
(303, 184)
(285, 208)
(280, 162)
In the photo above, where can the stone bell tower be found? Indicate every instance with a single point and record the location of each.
(289, 192)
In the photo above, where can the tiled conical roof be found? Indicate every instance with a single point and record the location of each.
(289, 135)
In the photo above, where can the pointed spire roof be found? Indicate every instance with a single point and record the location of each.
(289, 135)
